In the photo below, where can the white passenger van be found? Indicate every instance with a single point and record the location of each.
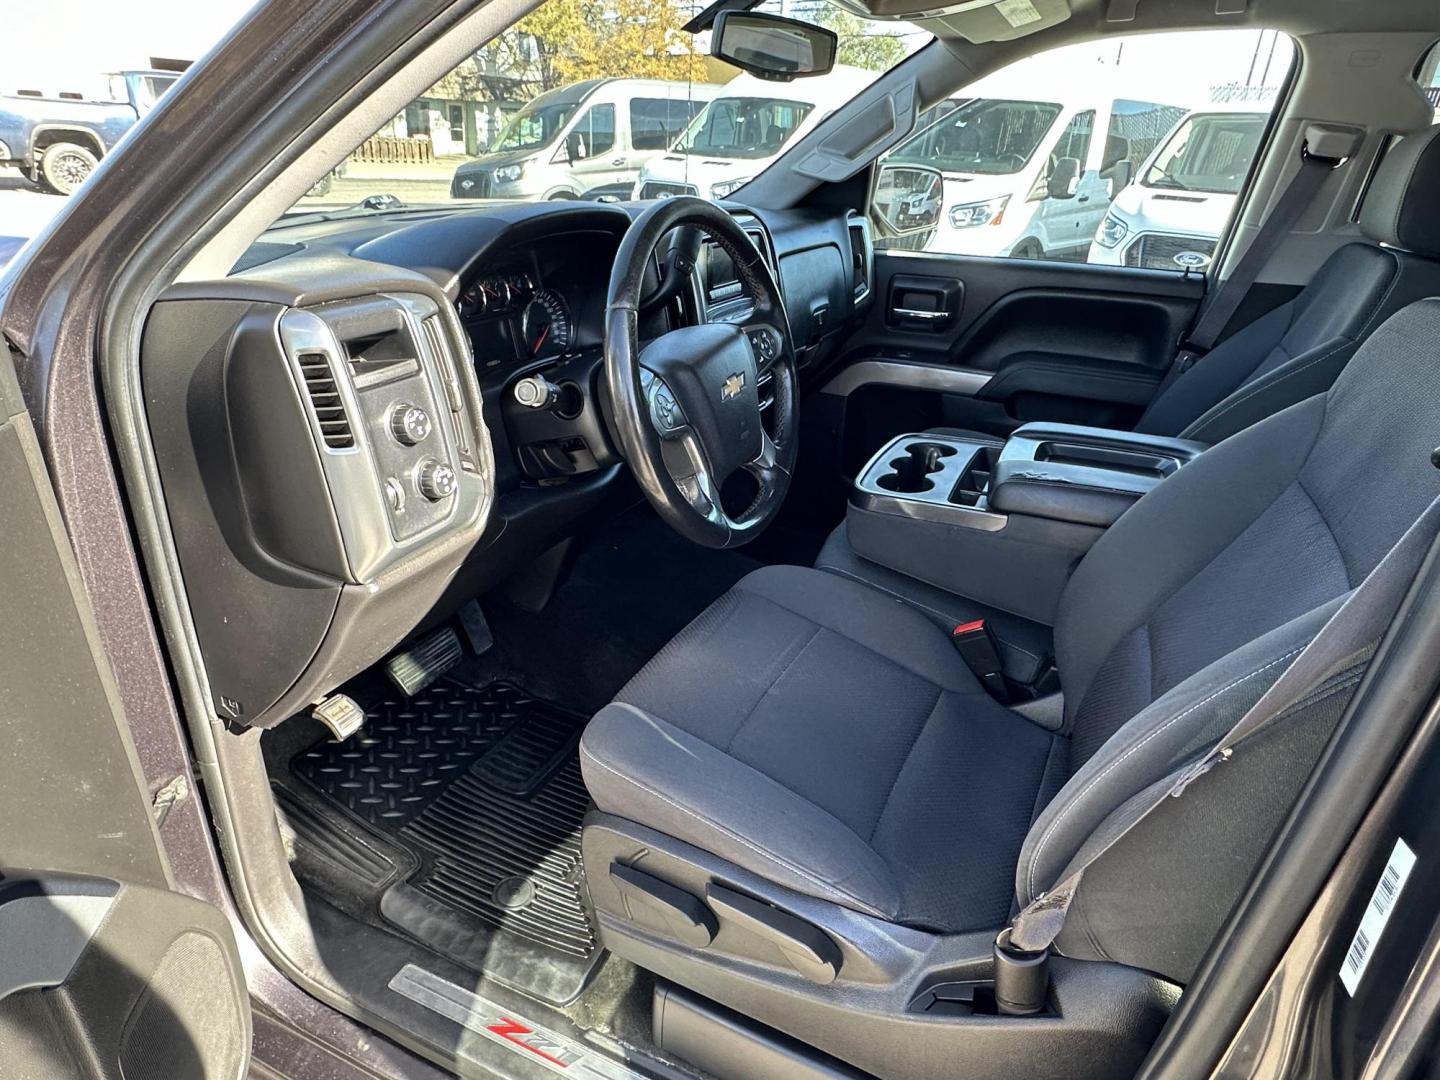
(586, 135)
(1172, 215)
(1031, 177)
(748, 125)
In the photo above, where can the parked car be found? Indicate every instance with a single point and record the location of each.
(743, 130)
(585, 135)
(57, 141)
(1032, 178)
(1172, 216)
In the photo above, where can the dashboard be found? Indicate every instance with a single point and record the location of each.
(372, 420)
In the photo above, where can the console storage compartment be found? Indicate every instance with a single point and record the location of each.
(1004, 525)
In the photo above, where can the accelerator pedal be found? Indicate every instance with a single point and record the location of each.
(415, 668)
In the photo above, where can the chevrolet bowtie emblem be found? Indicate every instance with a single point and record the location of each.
(732, 387)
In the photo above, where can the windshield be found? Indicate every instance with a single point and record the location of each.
(743, 127)
(986, 136)
(1209, 152)
(534, 126)
(587, 99)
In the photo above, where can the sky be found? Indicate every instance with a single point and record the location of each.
(53, 45)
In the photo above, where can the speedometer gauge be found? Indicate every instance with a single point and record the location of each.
(545, 324)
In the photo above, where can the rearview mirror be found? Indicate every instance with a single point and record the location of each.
(908, 199)
(772, 47)
(1063, 179)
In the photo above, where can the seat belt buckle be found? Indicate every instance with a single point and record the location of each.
(976, 646)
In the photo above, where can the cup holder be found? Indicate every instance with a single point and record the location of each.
(911, 473)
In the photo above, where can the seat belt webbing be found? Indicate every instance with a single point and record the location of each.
(1226, 299)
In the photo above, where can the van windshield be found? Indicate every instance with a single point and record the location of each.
(743, 127)
(1209, 152)
(989, 136)
(535, 126)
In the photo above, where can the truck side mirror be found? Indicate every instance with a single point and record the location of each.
(574, 147)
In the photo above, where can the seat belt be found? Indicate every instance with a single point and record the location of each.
(1322, 150)
(1359, 621)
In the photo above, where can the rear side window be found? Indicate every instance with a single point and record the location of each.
(1126, 152)
(657, 122)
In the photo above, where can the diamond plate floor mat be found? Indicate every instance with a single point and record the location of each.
(482, 786)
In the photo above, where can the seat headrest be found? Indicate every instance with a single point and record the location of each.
(1399, 208)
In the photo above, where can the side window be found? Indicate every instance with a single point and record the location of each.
(596, 130)
(655, 122)
(1077, 154)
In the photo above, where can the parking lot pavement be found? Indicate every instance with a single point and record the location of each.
(24, 211)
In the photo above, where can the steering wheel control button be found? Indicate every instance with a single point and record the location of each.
(410, 424)
(395, 494)
(435, 479)
(536, 392)
(665, 410)
(764, 344)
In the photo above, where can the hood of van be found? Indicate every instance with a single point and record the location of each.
(702, 172)
(1164, 210)
(489, 162)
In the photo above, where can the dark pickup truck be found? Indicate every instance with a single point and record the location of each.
(57, 141)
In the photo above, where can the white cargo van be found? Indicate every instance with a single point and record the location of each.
(582, 136)
(1172, 216)
(1032, 178)
(748, 125)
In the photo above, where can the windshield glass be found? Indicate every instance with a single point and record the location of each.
(534, 126)
(604, 100)
(1209, 153)
(985, 136)
(743, 127)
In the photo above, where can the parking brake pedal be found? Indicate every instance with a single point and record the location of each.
(424, 661)
(341, 716)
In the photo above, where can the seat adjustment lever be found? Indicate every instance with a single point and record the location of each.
(808, 949)
(688, 919)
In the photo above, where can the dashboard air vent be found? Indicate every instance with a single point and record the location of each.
(325, 397)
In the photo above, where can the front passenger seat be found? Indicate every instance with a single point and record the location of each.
(1300, 348)
(824, 744)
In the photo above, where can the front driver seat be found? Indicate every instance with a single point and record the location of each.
(817, 744)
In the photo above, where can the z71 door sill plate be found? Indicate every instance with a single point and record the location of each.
(507, 1027)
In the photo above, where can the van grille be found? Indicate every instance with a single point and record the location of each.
(1154, 251)
(655, 189)
(324, 396)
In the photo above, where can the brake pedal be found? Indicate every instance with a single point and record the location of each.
(424, 661)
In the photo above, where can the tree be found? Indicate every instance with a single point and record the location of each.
(564, 41)
(860, 43)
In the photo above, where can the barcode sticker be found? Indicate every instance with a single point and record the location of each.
(1377, 914)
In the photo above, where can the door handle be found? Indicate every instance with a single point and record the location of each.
(1083, 198)
(915, 313)
(618, 161)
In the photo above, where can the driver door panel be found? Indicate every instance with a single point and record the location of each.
(105, 970)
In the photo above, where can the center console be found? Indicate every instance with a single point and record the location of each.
(1003, 523)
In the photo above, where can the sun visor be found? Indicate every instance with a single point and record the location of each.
(980, 20)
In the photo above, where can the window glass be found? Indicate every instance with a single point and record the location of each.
(595, 133)
(1078, 154)
(655, 122)
(606, 100)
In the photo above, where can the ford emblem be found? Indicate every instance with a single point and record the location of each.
(1192, 260)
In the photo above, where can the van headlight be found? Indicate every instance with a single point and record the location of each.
(1112, 230)
(728, 187)
(508, 174)
(969, 215)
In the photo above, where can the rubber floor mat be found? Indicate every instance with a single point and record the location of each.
(482, 786)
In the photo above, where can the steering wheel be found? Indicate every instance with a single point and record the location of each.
(687, 408)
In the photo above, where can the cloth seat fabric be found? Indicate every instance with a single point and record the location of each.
(829, 737)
